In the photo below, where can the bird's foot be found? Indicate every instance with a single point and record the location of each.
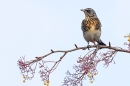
(88, 46)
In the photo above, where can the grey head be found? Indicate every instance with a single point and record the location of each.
(89, 12)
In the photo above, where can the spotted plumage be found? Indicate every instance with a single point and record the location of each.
(91, 27)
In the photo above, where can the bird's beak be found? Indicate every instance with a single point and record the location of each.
(82, 10)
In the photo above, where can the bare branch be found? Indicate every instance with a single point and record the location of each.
(87, 64)
(80, 48)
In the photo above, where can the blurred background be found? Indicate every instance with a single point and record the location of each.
(31, 28)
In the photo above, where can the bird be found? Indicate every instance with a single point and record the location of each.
(91, 27)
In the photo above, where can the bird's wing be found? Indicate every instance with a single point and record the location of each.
(97, 23)
(84, 25)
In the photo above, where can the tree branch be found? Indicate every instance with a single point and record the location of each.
(87, 64)
(79, 48)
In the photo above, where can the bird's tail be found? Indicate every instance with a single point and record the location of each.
(100, 42)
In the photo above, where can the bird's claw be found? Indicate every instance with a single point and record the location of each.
(88, 47)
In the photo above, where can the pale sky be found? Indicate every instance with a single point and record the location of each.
(31, 28)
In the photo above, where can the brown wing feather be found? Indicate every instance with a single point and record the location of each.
(97, 23)
(84, 26)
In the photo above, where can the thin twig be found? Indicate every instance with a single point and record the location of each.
(80, 48)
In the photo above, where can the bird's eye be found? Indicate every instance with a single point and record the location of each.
(88, 11)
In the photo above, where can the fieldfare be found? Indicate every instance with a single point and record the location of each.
(91, 27)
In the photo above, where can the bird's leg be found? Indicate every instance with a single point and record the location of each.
(88, 46)
(98, 46)
(94, 42)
